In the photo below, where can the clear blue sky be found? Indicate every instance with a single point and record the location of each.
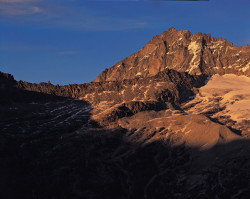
(72, 41)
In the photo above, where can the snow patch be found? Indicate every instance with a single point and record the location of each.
(169, 53)
(108, 92)
(247, 67)
(194, 48)
(180, 38)
(216, 44)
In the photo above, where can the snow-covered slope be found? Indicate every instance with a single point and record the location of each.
(227, 99)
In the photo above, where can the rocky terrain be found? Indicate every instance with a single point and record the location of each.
(170, 121)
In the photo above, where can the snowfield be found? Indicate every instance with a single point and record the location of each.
(235, 93)
(226, 96)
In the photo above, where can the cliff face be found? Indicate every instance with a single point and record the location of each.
(183, 52)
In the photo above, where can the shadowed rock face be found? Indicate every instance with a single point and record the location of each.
(184, 52)
(141, 132)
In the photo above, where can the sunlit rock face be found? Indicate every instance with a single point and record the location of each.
(184, 52)
(170, 121)
(177, 128)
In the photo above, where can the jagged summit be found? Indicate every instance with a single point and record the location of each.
(182, 51)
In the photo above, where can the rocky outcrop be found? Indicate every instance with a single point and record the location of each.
(107, 117)
(6, 80)
(184, 52)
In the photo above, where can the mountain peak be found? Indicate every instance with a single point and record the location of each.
(182, 51)
(172, 29)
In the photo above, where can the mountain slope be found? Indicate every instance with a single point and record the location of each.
(141, 130)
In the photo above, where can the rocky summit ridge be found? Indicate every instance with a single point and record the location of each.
(170, 121)
(184, 52)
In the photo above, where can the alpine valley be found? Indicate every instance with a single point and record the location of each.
(170, 121)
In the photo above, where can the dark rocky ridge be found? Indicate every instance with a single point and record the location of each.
(184, 52)
(11, 93)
